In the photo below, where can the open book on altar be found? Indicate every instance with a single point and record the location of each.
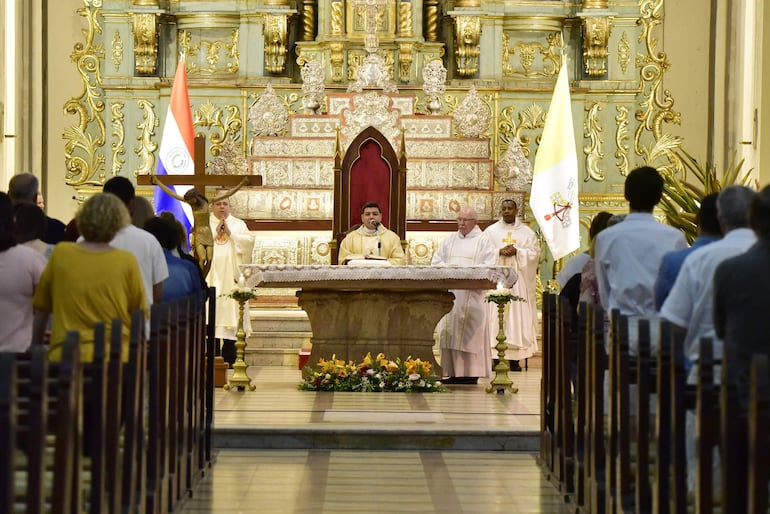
(366, 260)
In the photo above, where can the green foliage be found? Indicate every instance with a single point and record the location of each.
(681, 198)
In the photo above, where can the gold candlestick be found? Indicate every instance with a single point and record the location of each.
(240, 378)
(501, 380)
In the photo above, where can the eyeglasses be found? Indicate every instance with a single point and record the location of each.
(466, 219)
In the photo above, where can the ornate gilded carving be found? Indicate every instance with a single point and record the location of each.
(405, 61)
(276, 41)
(374, 70)
(338, 17)
(117, 50)
(312, 85)
(550, 54)
(83, 140)
(472, 117)
(596, 36)
(268, 116)
(336, 59)
(213, 51)
(210, 116)
(621, 139)
(530, 119)
(432, 14)
(624, 52)
(467, 49)
(230, 160)
(308, 20)
(434, 84)
(593, 150)
(145, 43)
(147, 147)
(119, 137)
(405, 18)
(514, 171)
(656, 103)
(371, 109)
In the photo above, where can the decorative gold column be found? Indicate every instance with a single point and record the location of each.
(467, 48)
(405, 18)
(338, 18)
(145, 42)
(308, 20)
(432, 16)
(146, 3)
(596, 26)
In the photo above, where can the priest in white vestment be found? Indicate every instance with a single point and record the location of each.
(372, 241)
(233, 244)
(464, 332)
(516, 246)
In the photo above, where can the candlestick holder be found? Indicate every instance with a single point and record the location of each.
(501, 380)
(240, 377)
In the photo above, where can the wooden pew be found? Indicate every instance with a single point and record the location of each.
(133, 462)
(158, 370)
(564, 424)
(646, 377)
(209, 382)
(733, 447)
(758, 430)
(548, 384)
(594, 393)
(706, 428)
(113, 421)
(95, 420)
(8, 422)
(581, 417)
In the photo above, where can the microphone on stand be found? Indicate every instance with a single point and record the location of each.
(376, 224)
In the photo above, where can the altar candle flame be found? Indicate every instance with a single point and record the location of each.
(241, 281)
(499, 286)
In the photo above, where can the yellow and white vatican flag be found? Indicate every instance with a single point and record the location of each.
(554, 196)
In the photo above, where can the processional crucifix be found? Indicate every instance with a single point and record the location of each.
(203, 239)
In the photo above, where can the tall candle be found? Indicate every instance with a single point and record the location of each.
(241, 281)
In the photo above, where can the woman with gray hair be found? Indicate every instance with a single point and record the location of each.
(104, 282)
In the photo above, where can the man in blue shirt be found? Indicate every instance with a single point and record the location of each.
(708, 232)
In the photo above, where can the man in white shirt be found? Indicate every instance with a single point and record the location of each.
(464, 332)
(517, 246)
(628, 255)
(144, 246)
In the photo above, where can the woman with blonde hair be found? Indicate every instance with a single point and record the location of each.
(89, 281)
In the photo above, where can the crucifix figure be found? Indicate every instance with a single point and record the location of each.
(203, 239)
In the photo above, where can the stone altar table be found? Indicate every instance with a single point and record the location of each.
(388, 309)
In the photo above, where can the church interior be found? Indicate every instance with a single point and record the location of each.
(448, 99)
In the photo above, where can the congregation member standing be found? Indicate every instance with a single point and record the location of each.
(691, 300)
(628, 255)
(89, 281)
(708, 232)
(20, 270)
(183, 276)
(517, 247)
(25, 188)
(141, 243)
(232, 247)
(464, 332)
(372, 240)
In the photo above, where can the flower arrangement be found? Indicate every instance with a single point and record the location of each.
(503, 295)
(371, 375)
(241, 293)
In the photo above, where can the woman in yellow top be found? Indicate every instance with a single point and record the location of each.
(89, 281)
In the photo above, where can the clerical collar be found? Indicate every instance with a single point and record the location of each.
(368, 230)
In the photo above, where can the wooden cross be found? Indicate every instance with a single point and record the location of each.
(200, 179)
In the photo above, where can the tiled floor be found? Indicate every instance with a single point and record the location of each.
(375, 480)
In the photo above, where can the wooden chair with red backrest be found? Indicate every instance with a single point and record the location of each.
(370, 170)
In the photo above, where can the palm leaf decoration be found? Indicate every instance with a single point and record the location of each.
(681, 197)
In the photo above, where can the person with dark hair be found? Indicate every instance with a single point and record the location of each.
(143, 245)
(24, 188)
(372, 240)
(183, 276)
(20, 270)
(29, 228)
(105, 282)
(517, 247)
(181, 250)
(627, 256)
(588, 291)
(708, 232)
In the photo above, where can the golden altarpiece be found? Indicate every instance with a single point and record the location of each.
(277, 87)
